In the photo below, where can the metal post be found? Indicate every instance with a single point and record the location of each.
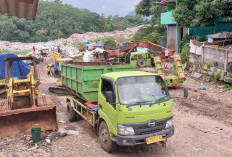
(6, 73)
(226, 60)
(202, 56)
(35, 71)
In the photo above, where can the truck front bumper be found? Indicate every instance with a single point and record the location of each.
(141, 139)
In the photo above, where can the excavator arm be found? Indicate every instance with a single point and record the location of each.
(146, 44)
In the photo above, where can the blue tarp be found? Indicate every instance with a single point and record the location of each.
(19, 68)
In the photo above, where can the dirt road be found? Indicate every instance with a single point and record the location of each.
(203, 126)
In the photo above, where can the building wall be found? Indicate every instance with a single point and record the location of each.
(167, 18)
(171, 39)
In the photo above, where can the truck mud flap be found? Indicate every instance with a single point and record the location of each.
(14, 122)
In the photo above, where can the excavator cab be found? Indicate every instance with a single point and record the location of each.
(24, 106)
(139, 59)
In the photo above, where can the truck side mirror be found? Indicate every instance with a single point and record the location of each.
(185, 92)
(109, 97)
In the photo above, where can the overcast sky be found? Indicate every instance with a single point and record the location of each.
(120, 7)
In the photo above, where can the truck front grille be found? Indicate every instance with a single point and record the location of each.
(143, 128)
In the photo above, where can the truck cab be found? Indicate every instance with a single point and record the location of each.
(134, 108)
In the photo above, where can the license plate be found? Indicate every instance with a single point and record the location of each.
(154, 139)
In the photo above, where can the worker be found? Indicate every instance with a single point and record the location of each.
(166, 53)
(58, 49)
(33, 48)
(48, 70)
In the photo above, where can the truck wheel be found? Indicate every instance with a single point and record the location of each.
(106, 143)
(141, 63)
(72, 115)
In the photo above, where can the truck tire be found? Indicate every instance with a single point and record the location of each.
(141, 63)
(72, 115)
(104, 135)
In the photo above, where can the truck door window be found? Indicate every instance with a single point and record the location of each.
(133, 58)
(107, 85)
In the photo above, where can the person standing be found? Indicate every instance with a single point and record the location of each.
(33, 48)
(166, 53)
(48, 70)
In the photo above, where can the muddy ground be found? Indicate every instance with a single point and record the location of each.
(203, 127)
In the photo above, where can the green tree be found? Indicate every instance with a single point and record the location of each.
(109, 42)
(150, 8)
(191, 13)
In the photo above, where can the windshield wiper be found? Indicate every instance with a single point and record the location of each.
(160, 99)
(139, 103)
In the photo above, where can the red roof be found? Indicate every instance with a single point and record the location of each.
(20, 8)
(165, 1)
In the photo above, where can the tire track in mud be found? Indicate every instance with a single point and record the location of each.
(204, 105)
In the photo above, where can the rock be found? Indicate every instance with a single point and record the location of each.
(86, 145)
(72, 132)
(62, 132)
(196, 149)
(28, 138)
(48, 141)
(1, 144)
(62, 121)
(196, 75)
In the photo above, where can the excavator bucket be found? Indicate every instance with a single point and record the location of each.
(17, 121)
(24, 108)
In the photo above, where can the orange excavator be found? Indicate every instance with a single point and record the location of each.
(132, 48)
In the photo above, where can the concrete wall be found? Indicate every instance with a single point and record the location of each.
(212, 61)
(217, 56)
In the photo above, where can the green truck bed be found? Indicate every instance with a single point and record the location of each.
(83, 78)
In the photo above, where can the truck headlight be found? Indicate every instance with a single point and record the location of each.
(169, 124)
(125, 130)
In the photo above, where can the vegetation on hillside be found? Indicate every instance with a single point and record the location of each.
(109, 42)
(55, 20)
(153, 31)
(22, 52)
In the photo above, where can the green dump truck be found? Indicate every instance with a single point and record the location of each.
(126, 107)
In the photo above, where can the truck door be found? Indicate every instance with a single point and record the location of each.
(108, 110)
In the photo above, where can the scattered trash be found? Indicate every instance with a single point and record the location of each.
(62, 132)
(72, 132)
(28, 138)
(48, 141)
(88, 146)
(219, 128)
(202, 88)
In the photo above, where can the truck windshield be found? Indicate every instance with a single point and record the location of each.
(139, 90)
